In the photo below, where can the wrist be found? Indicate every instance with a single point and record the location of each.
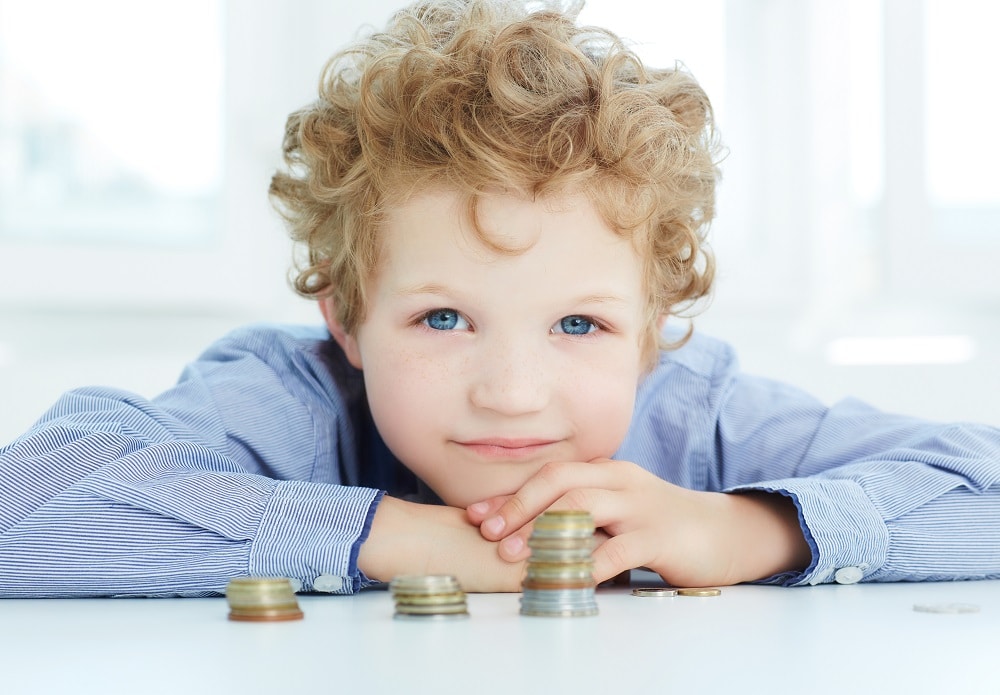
(766, 536)
(389, 550)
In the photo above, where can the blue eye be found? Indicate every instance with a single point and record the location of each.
(445, 320)
(574, 325)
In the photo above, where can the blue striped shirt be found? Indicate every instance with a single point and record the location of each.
(263, 460)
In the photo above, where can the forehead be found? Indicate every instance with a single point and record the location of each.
(513, 249)
(505, 223)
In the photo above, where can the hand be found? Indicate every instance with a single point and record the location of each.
(411, 538)
(689, 538)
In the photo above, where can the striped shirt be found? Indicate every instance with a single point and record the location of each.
(263, 460)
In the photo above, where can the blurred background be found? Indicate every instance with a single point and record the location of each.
(858, 230)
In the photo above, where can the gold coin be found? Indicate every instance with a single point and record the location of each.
(262, 599)
(654, 591)
(699, 592)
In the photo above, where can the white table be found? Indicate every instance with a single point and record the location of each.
(751, 639)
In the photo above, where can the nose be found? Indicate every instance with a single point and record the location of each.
(510, 378)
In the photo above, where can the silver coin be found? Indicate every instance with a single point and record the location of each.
(414, 609)
(654, 591)
(946, 608)
(428, 595)
(431, 599)
(424, 584)
(430, 616)
(559, 579)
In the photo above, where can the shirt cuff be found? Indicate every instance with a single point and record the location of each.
(311, 533)
(847, 536)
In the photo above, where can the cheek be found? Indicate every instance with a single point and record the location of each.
(407, 400)
(604, 418)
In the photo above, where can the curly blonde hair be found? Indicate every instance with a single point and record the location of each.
(481, 95)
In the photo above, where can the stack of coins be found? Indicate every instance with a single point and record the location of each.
(428, 596)
(262, 599)
(560, 577)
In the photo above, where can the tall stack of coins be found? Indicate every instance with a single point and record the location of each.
(425, 596)
(262, 599)
(560, 577)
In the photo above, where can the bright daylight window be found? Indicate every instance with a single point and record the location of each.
(111, 117)
(963, 141)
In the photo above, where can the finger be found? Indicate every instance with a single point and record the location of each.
(479, 511)
(514, 547)
(616, 555)
(562, 482)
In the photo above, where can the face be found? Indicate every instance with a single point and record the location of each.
(481, 367)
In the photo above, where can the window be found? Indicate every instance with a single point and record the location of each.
(137, 141)
(100, 148)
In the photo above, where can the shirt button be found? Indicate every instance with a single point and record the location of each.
(328, 582)
(848, 575)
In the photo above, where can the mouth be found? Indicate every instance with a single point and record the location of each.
(503, 448)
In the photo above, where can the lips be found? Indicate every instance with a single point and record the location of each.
(500, 447)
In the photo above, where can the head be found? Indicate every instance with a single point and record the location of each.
(514, 143)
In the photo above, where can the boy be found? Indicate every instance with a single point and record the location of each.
(502, 213)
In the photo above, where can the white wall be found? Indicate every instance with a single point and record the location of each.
(807, 250)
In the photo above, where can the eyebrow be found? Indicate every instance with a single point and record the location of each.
(442, 290)
(426, 288)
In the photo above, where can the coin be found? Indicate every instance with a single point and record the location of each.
(946, 608)
(654, 591)
(559, 581)
(698, 592)
(262, 599)
(428, 596)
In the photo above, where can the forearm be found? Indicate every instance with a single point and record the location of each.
(100, 513)
(765, 535)
(411, 538)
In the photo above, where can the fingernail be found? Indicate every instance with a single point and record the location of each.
(512, 545)
(494, 525)
(479, 507)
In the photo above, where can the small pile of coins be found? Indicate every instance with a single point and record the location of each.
(560, 576)
(428, 596)
(262, 599)
(660, 592)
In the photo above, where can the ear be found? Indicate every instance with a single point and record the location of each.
(661, 322)
(347, 342)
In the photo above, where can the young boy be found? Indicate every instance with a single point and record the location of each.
(502, 212)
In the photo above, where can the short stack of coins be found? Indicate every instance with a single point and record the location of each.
(262, 599)
(427, 596)
(560, 576)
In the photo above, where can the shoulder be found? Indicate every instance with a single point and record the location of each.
(689, 383)
(701, 366)
(268, 342)
(259, 359)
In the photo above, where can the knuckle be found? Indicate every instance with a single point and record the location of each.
(551, 472)
(515, 508)
(576, 498)
(616, 554)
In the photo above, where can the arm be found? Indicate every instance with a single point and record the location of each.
(885, 497)
(251, 465)
(111, 494)
(820, 489)
(410, 538)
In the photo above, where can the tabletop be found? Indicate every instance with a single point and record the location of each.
(750, 639)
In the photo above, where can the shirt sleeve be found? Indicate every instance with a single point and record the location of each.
(233, 472)
(881, 497)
